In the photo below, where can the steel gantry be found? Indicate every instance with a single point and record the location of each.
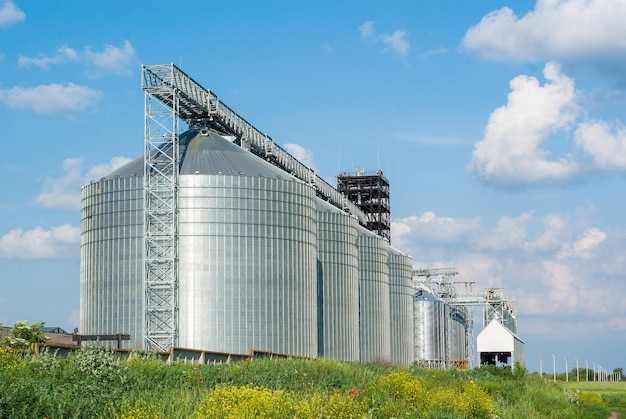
(171, 96)
(161, 156)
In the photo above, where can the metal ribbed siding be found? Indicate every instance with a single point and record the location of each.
(374, 313)
(338, 289)
(401, 308)
(111, 269)
(247, 264)
(457, 325)
(429, 330)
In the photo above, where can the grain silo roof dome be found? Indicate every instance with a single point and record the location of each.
(205, 152)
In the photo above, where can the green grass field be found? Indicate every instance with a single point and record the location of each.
(614, 393)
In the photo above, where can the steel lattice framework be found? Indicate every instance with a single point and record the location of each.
(171, 95)
(161, 157)
(201, 108)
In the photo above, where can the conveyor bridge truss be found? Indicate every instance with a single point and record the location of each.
(170, 96)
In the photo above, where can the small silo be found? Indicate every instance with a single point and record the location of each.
(374, 309)
(247, 252)
(401, 308)
(456, 325)
(337, 283)
(430, 322)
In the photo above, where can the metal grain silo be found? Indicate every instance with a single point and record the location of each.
(374, 321)
(337, 282)
(246, 244)
(456, 324)
(401, 308)
(111, 269)
(430, 322)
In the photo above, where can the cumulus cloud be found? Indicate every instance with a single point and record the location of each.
(429, 228)
(51, 98)
(57, 242)
(584, 246)
(605, 144)
(10, 14)
(509, 233)
(587, 31)
(564, 287)
(550, 264)
(555, 231)
(111, 60)
(511, 151)
(64, 192)
(303, 155)
(395, 42)
(64, 54)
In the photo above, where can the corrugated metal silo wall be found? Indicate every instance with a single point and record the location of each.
(247, 268)
(374, 320)
(111, 269)
(338, 288)
(457, 323)
(429, 331)
(401, 308)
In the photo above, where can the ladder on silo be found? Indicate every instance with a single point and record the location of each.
(161, 167)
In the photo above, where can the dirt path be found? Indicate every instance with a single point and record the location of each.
(614, 415)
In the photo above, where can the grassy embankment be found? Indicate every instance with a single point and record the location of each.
(95, 383)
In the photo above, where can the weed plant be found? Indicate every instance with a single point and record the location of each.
(94, 382)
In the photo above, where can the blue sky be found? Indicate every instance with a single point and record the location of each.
(498, 123)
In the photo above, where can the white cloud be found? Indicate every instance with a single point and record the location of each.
(10, 14)
(509, 233)
(564, 287)
(555, 230)
(589, 31)
(605, 145)
(51, 98)
(367, 30)
(64, 54)
(552, 265)
(511, 150)
(112, 60)
(396, 42)
(64, 192)
(303, 155)
(584, 246)
(62, 241)
(429, 228)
